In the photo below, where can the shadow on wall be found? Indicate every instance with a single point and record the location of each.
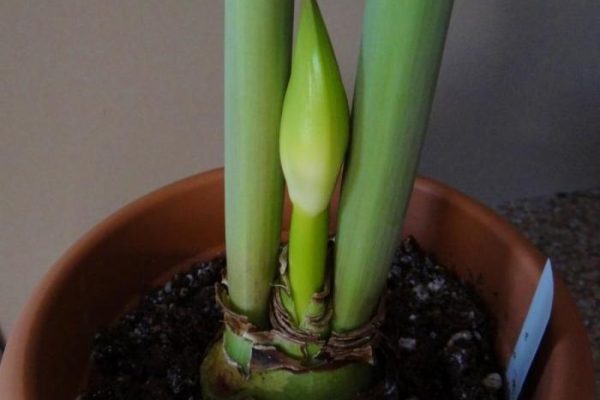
(2, 344)
(517, 111)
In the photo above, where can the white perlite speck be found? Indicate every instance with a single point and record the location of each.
(462, 335)
(436, 284)
(421, 293)
(492, 381)
(407, 343)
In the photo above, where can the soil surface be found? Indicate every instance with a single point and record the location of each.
(436, 341)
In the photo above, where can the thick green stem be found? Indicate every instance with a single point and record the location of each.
(401, 51)
(307, 257)
(257, 64)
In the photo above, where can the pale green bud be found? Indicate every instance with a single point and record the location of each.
(314, 122)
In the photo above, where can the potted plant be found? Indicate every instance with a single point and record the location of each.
(401, 51)
(400, 56)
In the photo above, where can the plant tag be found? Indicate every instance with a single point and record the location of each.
(531, 334)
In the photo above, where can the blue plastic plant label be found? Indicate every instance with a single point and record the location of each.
(531, 334)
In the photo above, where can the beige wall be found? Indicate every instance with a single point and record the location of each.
(102, 101)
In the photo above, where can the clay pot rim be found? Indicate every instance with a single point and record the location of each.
(18, 355)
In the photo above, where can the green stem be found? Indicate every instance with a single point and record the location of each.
(258, 37)
(313, 142)
(401, 51)
(307, 257)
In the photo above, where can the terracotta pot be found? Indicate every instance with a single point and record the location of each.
(48, 350)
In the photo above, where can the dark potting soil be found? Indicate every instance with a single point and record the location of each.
(436, 342)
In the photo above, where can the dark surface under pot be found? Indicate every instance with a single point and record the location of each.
(566, 227)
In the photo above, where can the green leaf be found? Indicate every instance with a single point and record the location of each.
(401, 51)
(258, 37)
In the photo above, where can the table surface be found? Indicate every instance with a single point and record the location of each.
(566, 227)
